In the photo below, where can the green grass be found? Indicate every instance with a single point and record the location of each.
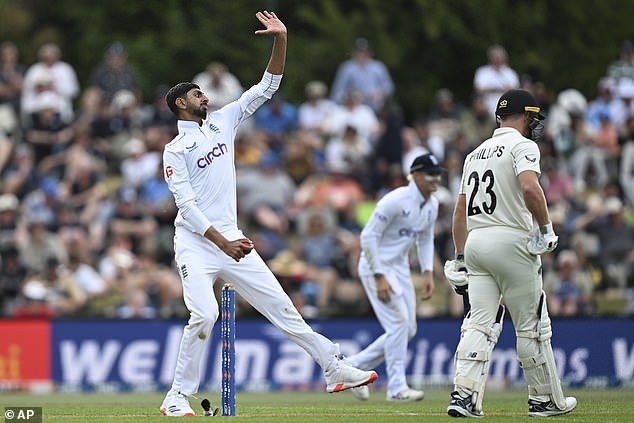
(604, 406)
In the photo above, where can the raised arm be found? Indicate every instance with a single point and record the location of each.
(276, 28)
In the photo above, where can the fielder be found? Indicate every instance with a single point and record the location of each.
(200, 171)
(500, 228)
(403, 218)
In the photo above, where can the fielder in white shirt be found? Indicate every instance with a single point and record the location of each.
(403, 218)
(501, 226)
(200, 171)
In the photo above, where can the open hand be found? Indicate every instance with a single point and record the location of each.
(273, 25)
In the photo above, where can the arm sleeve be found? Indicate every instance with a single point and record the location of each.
(425, 245)
(372, 232)
(526, 157)
(177, 178)
(256, 96)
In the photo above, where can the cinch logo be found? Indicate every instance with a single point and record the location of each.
(410, 233)
(217, 151)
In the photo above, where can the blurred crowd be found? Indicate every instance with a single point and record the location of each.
(86, 218)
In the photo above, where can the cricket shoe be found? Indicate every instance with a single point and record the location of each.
(361, 392)
(176, 404)
(548, 408)
(407, 395)
(341, 376)
(460, 406)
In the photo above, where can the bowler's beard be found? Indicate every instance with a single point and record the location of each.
(199, 112)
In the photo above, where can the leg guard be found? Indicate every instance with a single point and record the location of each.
(535, 355)
(475, 381)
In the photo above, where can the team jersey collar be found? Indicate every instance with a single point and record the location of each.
(415, 192)
(504, 131)
(187, 125)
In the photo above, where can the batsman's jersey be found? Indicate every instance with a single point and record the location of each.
(199, 164)
(489, 181)
(402, 218)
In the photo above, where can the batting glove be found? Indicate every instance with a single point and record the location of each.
(456, 274)
(543, 241)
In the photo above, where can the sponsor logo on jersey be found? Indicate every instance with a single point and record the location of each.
(169, 171)
(184, 271)
(532, 160)
(409, 233)
(207, 159)
(405, 213)
(191, 147)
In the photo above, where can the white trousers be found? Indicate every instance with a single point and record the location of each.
(398, 319)
(200, 262)
(500, 265)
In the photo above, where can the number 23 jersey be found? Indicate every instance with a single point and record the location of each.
(489, 181)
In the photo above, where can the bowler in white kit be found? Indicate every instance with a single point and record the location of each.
(405, 217)
(200, 171)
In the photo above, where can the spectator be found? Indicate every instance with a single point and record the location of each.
(623, 107)
(276, 118)
(476, 122)
(319, 248)
(313, 113)
(494, 78)
(264, 194)
(623, 68)
(365, 74)
(46, 131)
(412, 148)
(356, 114)
(568, 288)
(114, 74)
(616, 241)
(157, 113)
(444, 119)
(136, 306)
(12, 275)
(11, 81)
(21, 177)
(350, 153)
(558, 185)
(139, 165)
(64, 296)
(40, 204)
(626, 166)
(219, 85)
(34, 306)
(9, 204)
(388, 146)
(129, 220)
(58, 77)
(39, 246)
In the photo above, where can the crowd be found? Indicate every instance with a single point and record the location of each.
(86, 218)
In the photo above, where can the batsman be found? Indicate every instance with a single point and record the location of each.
(501, 227)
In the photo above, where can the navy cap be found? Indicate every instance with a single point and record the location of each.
(427, 163)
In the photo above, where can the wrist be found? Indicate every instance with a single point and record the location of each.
(547, 228)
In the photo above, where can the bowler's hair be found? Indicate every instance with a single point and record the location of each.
(178, 91)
